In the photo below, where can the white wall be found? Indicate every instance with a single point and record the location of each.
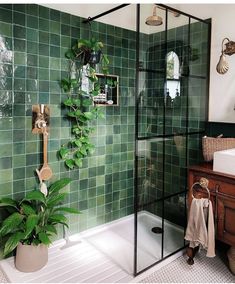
(222, 87)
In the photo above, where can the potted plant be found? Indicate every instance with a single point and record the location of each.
(81, 85)
(32, 223)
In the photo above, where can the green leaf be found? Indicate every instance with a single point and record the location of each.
(84, 139)
(86, 102)
(8, 202)
(78, 143)
(31, 223)
(58, 185)
(56, 199)
(70, 54)
(65, 85)
(69, 163)
(83, 151)
(71, 114)
(50, 228)
(27, 209)
(89, 115)
(58, 218)
(106, 60)
(68, 210)
(11, 223)
(77, 102)
(44, 238)
(78, 162)
(63, 152)
(35, 196)
(91, 149)
(68, 102)
(12, 242)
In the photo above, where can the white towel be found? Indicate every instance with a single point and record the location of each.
(200, 229)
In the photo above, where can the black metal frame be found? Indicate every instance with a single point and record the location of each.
(137, 138)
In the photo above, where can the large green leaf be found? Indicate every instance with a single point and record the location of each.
(58, 218)
(54, 200)
(31, 223)
(27, 209)
(12, 242)
(8, 202)
(49, 228)
(68, 210)
(58, 185)
(44, 238)
(11, 223)
(35, 196)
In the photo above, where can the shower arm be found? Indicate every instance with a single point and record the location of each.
(176, 14)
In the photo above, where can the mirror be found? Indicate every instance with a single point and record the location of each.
(172, 79)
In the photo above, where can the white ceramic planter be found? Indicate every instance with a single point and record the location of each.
(31, 258)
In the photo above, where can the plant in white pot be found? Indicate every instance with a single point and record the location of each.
(32, 223)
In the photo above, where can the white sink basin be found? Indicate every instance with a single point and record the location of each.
(224, 161)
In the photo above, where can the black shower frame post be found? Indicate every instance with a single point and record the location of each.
(136, 190)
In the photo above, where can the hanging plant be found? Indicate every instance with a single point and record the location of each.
(81, 85)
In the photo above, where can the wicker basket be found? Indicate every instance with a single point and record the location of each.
(211, 145)
(231, 259)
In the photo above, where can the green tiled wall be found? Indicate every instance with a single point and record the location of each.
(33, 41)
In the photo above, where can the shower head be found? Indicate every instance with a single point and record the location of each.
(154, 20)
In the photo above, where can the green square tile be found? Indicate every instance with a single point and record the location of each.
(19, 8)
(32, 22)
(43, 37)
(44, 12)
(20, 58)
(55, 15)
(32, 35)
(32, 9)
(54, 27)
(19, 18)
(5, 15)
(44, 61)
(5, 29)
(6, 175)
(44, 49)
(44, 25)
(19, 45)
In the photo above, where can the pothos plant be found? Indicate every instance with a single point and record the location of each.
(81, 85)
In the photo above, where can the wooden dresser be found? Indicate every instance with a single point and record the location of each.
(222, 196)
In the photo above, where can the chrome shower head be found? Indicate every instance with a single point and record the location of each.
(154, 20)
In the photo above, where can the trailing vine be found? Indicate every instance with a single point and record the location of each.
(81, 85)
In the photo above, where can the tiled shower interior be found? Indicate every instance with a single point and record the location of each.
(33, 41)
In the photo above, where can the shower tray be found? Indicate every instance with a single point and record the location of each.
(105, 254)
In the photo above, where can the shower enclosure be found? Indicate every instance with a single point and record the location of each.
(171, 109)
(163, 69)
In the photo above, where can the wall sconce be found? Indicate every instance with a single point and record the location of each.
(222, 66)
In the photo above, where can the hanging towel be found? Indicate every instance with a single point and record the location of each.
(200, 230)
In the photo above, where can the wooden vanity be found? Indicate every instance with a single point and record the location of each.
(222, 196)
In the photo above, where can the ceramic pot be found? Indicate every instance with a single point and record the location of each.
(31, 258)
(92, 57)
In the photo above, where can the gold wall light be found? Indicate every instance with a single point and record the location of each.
(222, 66)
